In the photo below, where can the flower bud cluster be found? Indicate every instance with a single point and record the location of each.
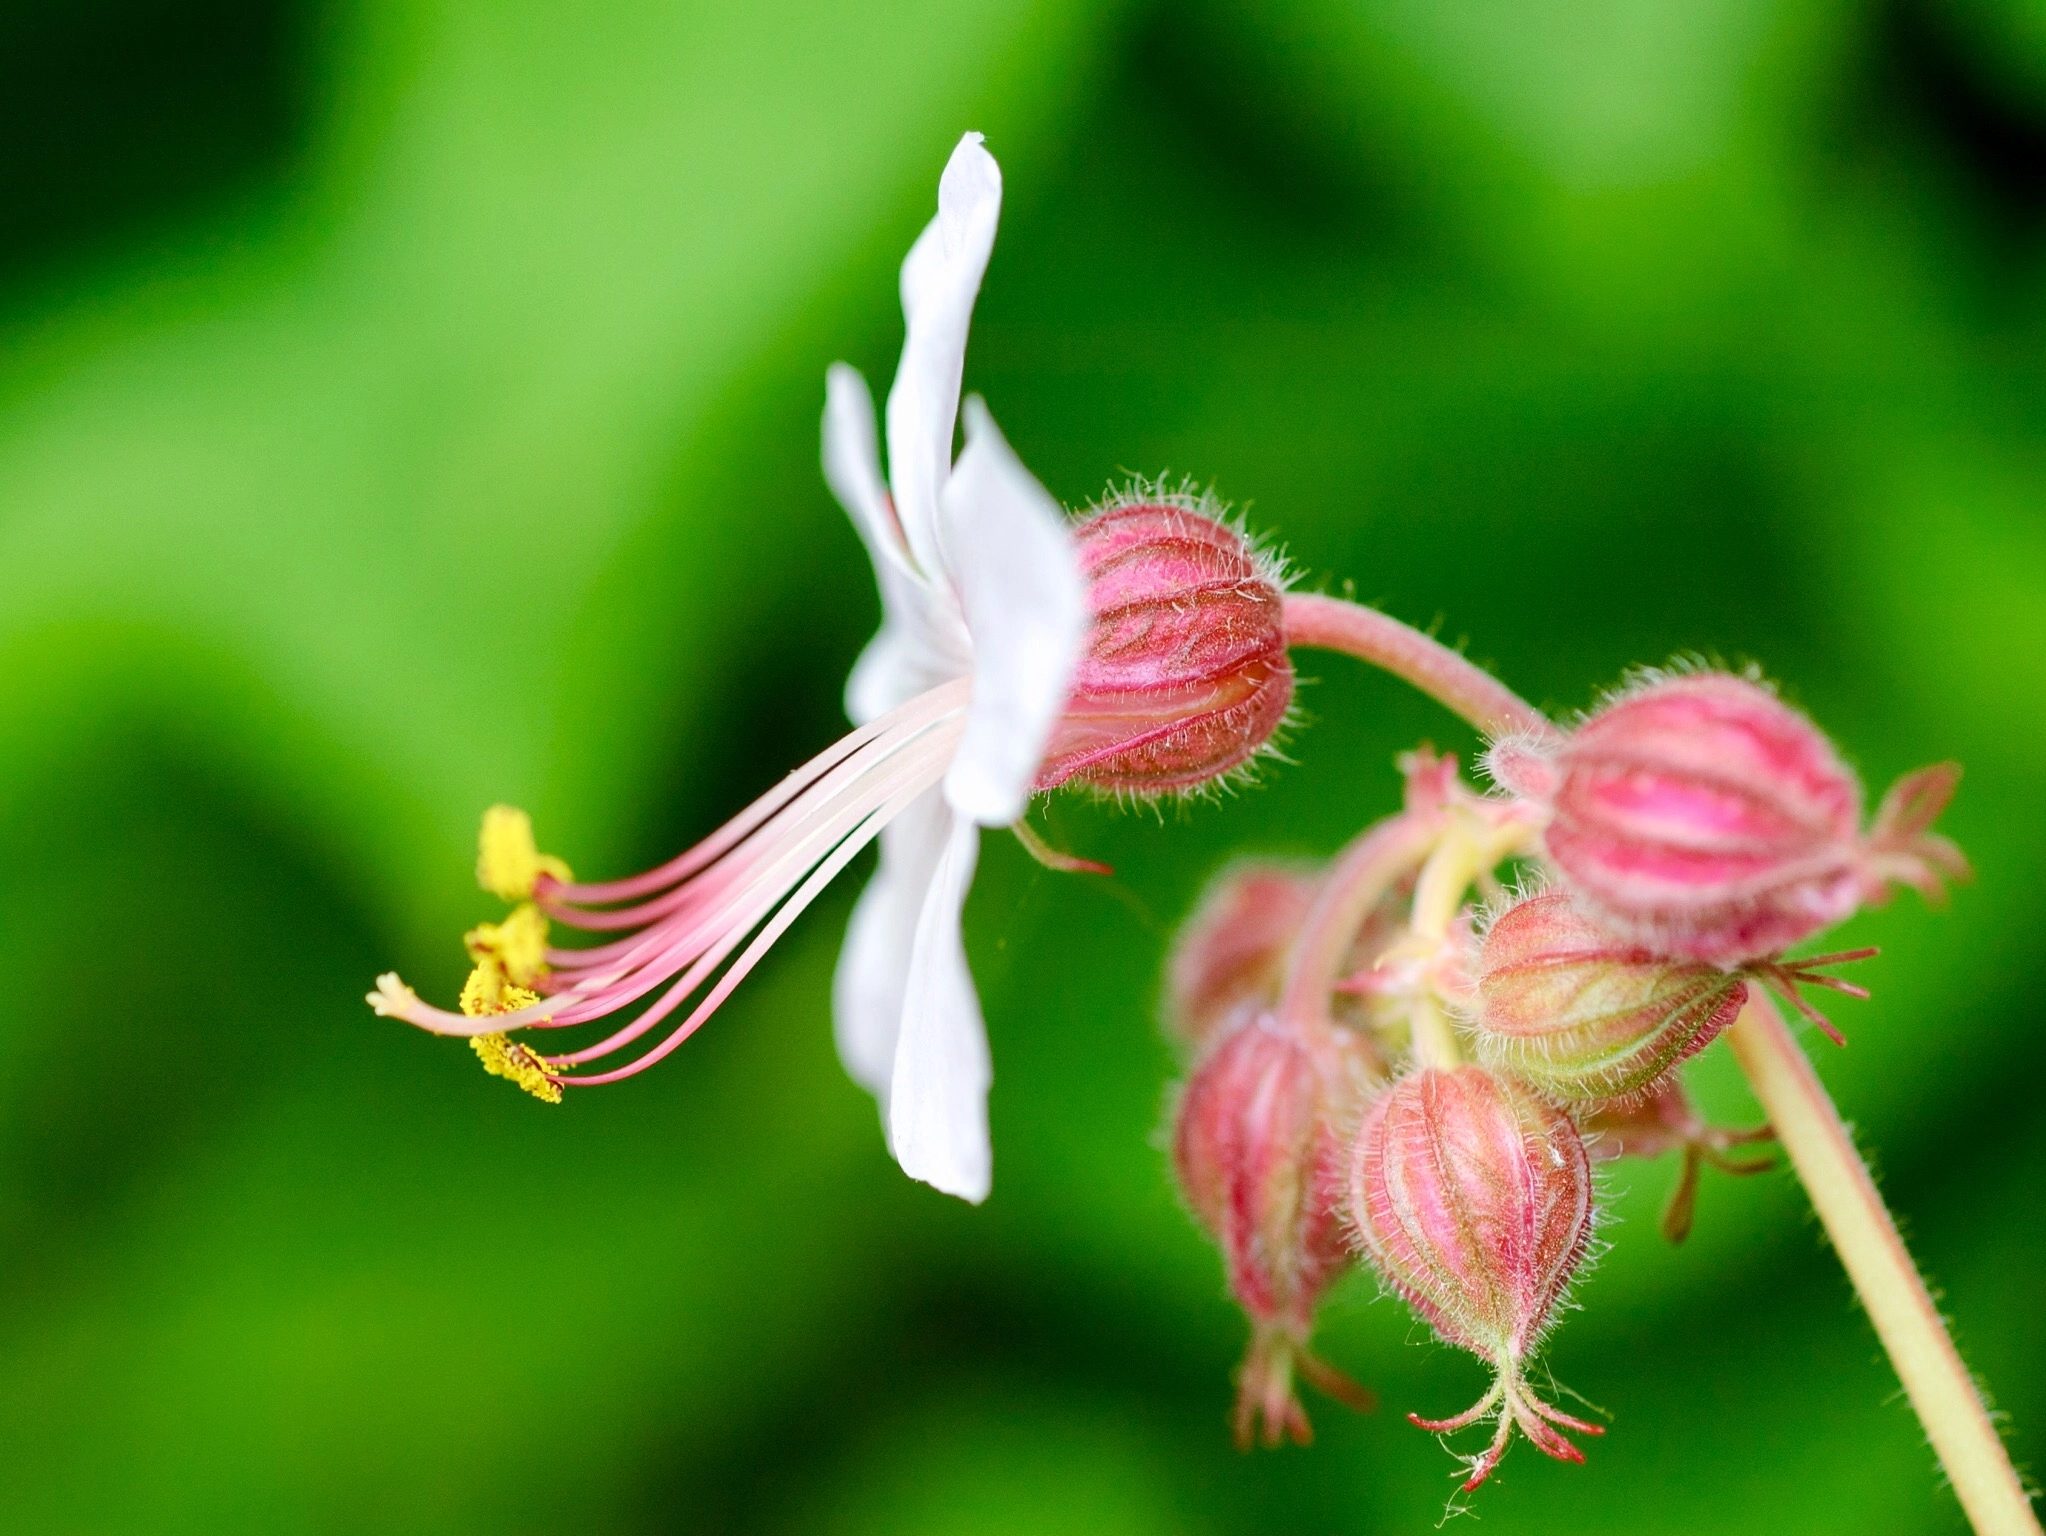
(1435, 1107)
(1305, 1141)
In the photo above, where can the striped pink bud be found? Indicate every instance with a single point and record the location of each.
(1586, 1019)
(1258, 1146)
(1186, 674)
(1472, 1198)
(1701, 816)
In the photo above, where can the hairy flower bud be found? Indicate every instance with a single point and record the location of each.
(1586, 1019)
(1258, 1146)
(1472, 1198)
(1701, 816)
(1664, 1123)
(1186, 674)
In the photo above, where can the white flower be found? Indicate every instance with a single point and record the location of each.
(983, 617)
(978, 580)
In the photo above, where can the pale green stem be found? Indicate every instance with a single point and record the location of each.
(1438, 893)
(1942, 1393)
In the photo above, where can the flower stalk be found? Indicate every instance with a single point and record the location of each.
(1331, 624)
(1364, 872)
(1915, 1337)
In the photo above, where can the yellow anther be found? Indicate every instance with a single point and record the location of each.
(518, 944)
(487, 992)
(508, 862)
(504, 1057)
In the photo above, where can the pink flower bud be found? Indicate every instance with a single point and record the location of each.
(1258, 1147)
(1585, 1019)
(1701, 816)
(1668, 1123)
(1472, 1198)
(1186, 675)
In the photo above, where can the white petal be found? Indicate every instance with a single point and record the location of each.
(921, 642)
(883, 677)
(940, 279)
(852, 466)
(937, 1106)
(1018, 570)
(873, 967)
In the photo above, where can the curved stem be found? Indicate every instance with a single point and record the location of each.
(1372, 865)
(1941, 1391)
(1331, 624)
(1438, 893)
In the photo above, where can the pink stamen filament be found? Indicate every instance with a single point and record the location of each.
(922, 709)
(813, 823)
(822, 876)
(914, 746)
(709, 944)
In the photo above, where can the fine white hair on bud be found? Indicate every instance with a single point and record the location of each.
(1185, 677)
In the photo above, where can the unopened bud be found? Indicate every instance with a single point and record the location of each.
(1186, 674)
(1702, 816)
(1586, 1019)
(1258, 1146)
(1664, 1123)
(1472, 1198)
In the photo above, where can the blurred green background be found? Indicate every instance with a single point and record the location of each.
(408, 404)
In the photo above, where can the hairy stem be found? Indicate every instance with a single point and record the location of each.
(1438, 893)
(1941, 1391)
(1364, 872)
(1331, 624)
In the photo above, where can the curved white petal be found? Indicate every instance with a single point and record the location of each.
(937, 1104)
(940, 279)
(852, 466)
(1018, 572)
(873, 968)
(921, 642)
(882, 677)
